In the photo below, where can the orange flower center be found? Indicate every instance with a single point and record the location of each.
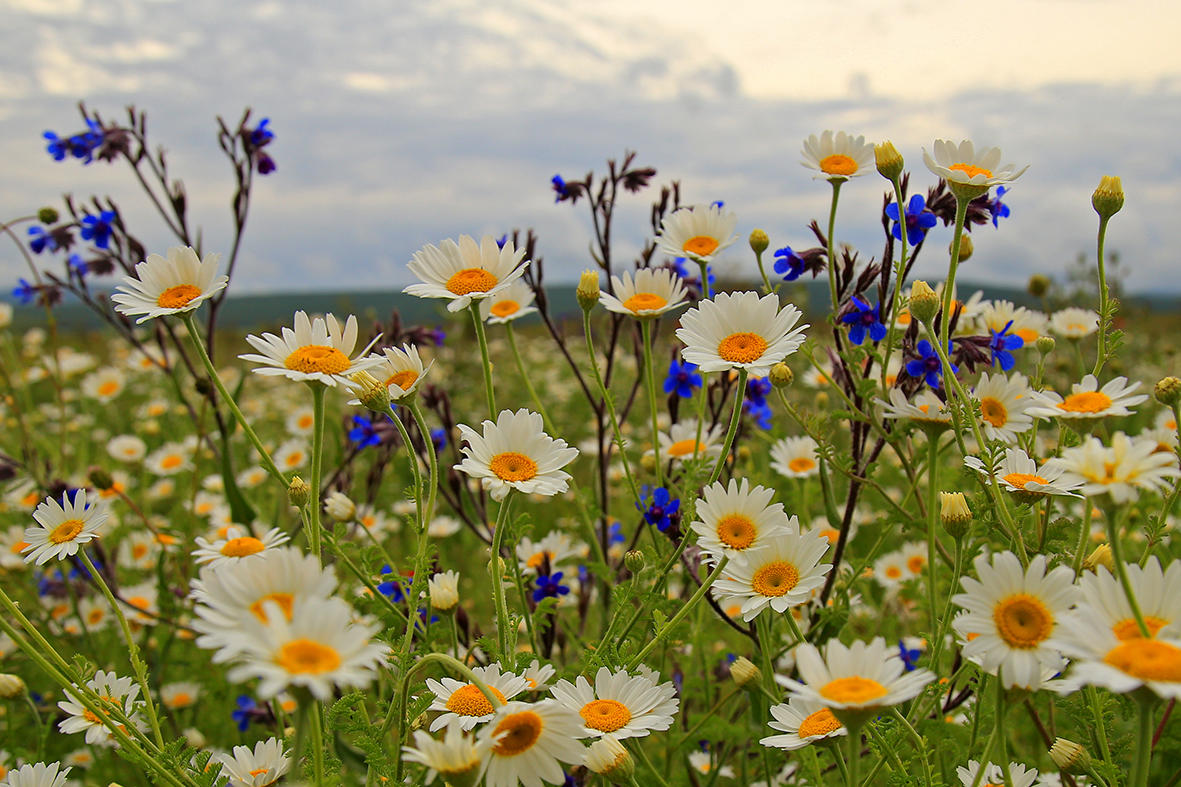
(181, 699)
(644, 300)
(537, 558)
(1147, 659)
(822, 722)
(1128, 630)
(242, 546)
(605, 715)
(737, 531)
(66, 531)
(893, 572)
(307, 657)
(171, 462)
(916, 563)
(516, 733)
(971, 170)
(177, 297)
(742, 347)
(854, 690)
(321, 358)
(1028, 335)
(701, 245)
(470, 701)
(18, 547)
(685, 447)
(511, 466)
(993, 411)
(1019, 480)
(775, 579)
(838, 164)
(505, 308)
(1023, 621)
(801, 464)
(471, 280)
(286, 602)
(109, 388)
(403, 379)
(1086, 402)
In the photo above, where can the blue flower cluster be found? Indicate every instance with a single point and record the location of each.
(97, 229)
(256, 139)
(998, 209)
(1001, 345)
(80, 146)
(918, 220)
(659, 507)
(864, 318)
(928, 366)
(682, 378)
(788, 264)
(755, 402)
(364, 432)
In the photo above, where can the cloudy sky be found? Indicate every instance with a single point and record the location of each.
(399, 124)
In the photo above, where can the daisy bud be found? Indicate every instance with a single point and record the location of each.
(588, 290)
(781, 375)
(1045, 344)
(372, 392)
(745, 673)
(607, 757)
(1070, 756)
(11, 686)
(1168, 391)
(194, 738)
(821, 399)
(47, 215)
(496, 565)
(742, 453)
(298, 492)
(444, 590)
(966, 247)
(634, 560)
(1039, 285)
(100, 478)
(759, 241)
(648, 462)
(954, 513)
(924, 303)
(889, 160)
(1101, 556)
(340, 507)
(1108, 197)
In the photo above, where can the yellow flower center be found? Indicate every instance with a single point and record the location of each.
(701, 245)
(140, 602)
(801, 464)
(775, 579)
(993, 411)
(737, 531)
(1086, 402)
(307, 657)
(971, 170)
(242, 546)
(171, 462)
(822, 722)
(177, 297)
(505, 308)
(317, 358)
(470, 701)
(1019, 480)
(838, 164)
(1128, 630)
(644, 300)
(95, 616)
(181, 699)
(1147, 659)
(1023, 621)
(109, 388)
(854, 690)
(685, 447)
(605, 715)
(294, 459)
(537, 558)
(893, 572)
(403, 379)
(258, 771)
(511, 466)
(516, 733)
(18, 547)
(286, 602)
(308, 421)
(742, 348)
(1028, 335)
(831, 533)
(471, 280)
(66, 531)
(916, 563)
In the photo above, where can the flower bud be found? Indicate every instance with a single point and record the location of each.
(11, 686)
(497, 567)
(588, 290)
(47, 215)
(444, 590)
(1168, 391)
(745, 674)
(821, 399)
(371, 392)
(1070, 756)
(966, 247)
(1045, 344)
(954, 513)
(1108, 197)
(634, 560)
(888, 160)
(1100, 556)
(1039, 285)
(298, 492)
(194, 738)
(648, 463)
(607, 757)
(781, 375)
(340, 507)
(924, 303)
(101, 478)
(759, 241)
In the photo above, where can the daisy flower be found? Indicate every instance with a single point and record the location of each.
(780, 575)
(679, 443)
(402, 371)
(464, 704)
(237, 545)
(443, 589)
(38, 775)
(141, 597)
(1019, 775)
(736, 518)
(703, 762)
(317, 350)
(301, 421)
(511, 303)
(538, 675)
(1101, 658)
(554, 548)
(1003, 402)
(1129, 466)
(1158, 593)
(1015, 616)
(318, 648)
(914, 557)
(12, 541)
(740, 331)
(63, 527)
(463, 272)
(103, 385)
(528, 741)
(291, 454)
(1074, 323)
(442, 526)
(168, 459)
(890, 570)
(174, 285)
(963, 165)
(838, 157)
(122, 693)
(516, 453)
(178, 695)
(263, 766)
(619, 704)
(651, 293)
(795, 457)
(127, 448)
(699, 233)
(1019, 473)
(607, 757)
(457, 758)
(1088, 400)
(1003, 317)
(927, 408)
(803, 721)
(861, 676)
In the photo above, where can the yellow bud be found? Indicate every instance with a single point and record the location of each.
(745, 674)
(889, 160)
(924, 303)
(1045, 344)
(1167, 391)
(1070, 756)
(954, 513)
(11, 686)
(634, 560)
(1101, 556)
(372, 392)
(781, 375)
(607, 757)
(298, 492)
(759, 241)
(588, 290)
(966, 247)
(1108, 197)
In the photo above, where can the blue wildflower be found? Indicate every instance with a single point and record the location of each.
(390, 587)
(97, 229)
(909, 656)
(998, 209)
(761, 413)
(439, 438)
(503, 239)
(56, 146)
(1001, 343)
(83, 145)
(788, 264)
(41, 239)
(266, 164)
(757, 389)
(718, 204)
(24, 292)
(690, 274)
(246, 711)
(616, 534)
(261, 134)
(866, 317)
(364, 432)
(78, 265)
(682, 378)
(918, 220)
(662, 508)
(928, 366)
(560, 188)
(549, 587)
(437, 335)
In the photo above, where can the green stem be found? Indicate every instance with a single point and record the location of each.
(1111, 517)
(961, 214)
(432, 457)
(609, 403)
(916, 740)
(483, 340)
(1084, 534)
(314, 537)
(1141, 765)
(707, 716)
(316, 728)
(899, 271)
(1094, 701)
(650, 381)
(680, 615)
(762, 272)
(1103, 298)
(932, 522)
(523, 372)
(832, 263)
(497, 577)
(735, 412)
(853, 777)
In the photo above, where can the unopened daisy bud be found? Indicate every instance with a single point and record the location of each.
(759, 241)
(340, 507)
(371, 392)
(745, 674)
(966, 247)
(1070, 756)
(634, 560)
(47, 215)
(588, 290)
(1039, 285)
(444, 590)
(923, 303)
(1168, 391)
(298, 492)
(888, 160)
(954, 513)
(607, 757)
(1108, 197)
(1100, 556)
(100, 478)
(497, 567)
(781, 375)
(194, 738)
(1045, 344)
(11, 686)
